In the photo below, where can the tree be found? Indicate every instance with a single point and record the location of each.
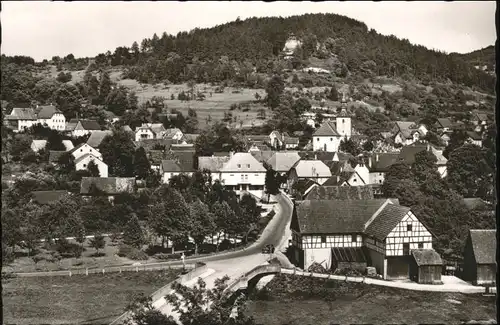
(271, 182)
(349, 146)
(55, 141)
(202, 223)
(117, 100)
(274, 89)
(93, 169)
(64, 77)
(104, 86)
(142, 166)
(333, 94)
(393, 177)
(468, 170)
(249, 214)
(66, 163)
(169, 215)
(20, 145)
(301, 105)
(133, 234)
(224, 219)
(457, 139)
(199, 305)
(191, 124)
(144, 313)
(97, 242)
(117, 152)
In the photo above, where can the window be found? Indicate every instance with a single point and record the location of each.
(81, 150)
(331, 139)
(406, 249)
(317, 139)
(354, 180)
(84, 165)
(323, 239)
(354, 238)
(420, 245)
(343, 121)
(239, 166)
(408, 227)
(380, 181)
(248, 165)
(231, 175)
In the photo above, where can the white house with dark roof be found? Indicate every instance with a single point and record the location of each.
(150, 131)
(314, 170)
(407, 133)
(83, 149)
(328, 136)
(243, 173)
(174, 134)
(359, 233)
(79, 128)
(21, 118)
(50, 116)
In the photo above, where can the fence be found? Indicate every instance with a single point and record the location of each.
(108, 269)
(159, 294)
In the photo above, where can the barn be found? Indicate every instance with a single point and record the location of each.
(480, 256)
(426, 266)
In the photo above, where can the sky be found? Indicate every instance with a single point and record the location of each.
(42, 29)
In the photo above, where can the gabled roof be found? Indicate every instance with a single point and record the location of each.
(182, 147)
(340, 193)
(96, 137)
(337, 167)
(185, 159)
(444, 122)
(45, 197)
(283, 161)
(484, 244)
(382, 161)
(333, 216)
(37, 145)
(190, 138)
(213, 164)
(426, 257)
(89, 125)
(262, 155)
(328, 128)
(21, 113)
(149, 144)
(386, 221)
(168, 132)
(474, 135)
(339, 179)
(170, 166)
(312, 168)
(239, 163)
(108, 185)
(46, 112)
(290, 140)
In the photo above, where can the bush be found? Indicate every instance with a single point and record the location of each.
(131, 252)
(164, 256)
(67, 249)
(156, 249)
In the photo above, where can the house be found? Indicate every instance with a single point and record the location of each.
(443, 125)
(213, 164)
(82, 163)
(340, 193)
(314, 170)
(21, 118)
(328, 136)
(379, 232)
(185, 158)
(242, 172)
(154, 144)
(148, 131)
(426, 266)
(96, 137)
(480, 256)
(276, 140)
(169, 168)
(474, 138)
(351, 178)
(84, 149)
(445, 138)
(46, 197)
(79, 128)
(37, 145)
(290, 142)
(174, 134)
(283, 161)
(379, 164)
(190, 138)
(480, 119)
(302, 188)
(106, 186)
(50, 116)
(262, 156)
(407, 133)
(408, 153)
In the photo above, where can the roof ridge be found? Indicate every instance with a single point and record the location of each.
(379, 210)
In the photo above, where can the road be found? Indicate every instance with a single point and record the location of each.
(235, 264)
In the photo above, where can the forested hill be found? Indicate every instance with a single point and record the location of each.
(482, 57)
(216, 54)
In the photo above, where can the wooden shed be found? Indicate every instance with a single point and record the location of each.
(480, 256)
(426, 266)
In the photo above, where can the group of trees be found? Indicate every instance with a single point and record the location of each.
(438, 202)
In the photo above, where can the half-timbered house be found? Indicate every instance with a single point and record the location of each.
(382, 232)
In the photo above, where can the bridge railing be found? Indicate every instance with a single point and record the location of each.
(261, 269)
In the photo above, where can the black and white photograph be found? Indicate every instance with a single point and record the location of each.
(248, 163)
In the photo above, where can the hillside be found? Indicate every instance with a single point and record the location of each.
(378, 72)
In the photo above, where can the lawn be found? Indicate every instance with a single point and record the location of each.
(316, 301)
(93, 299)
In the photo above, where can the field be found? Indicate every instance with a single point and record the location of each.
(93, 299)
(363, 304)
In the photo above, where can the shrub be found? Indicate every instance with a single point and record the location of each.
(67, 249)
(131, 252)
(164, 256)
